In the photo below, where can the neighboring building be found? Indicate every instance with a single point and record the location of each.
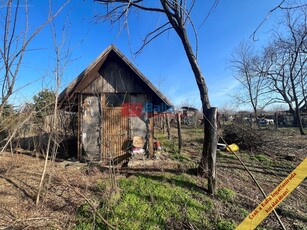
(114, 102)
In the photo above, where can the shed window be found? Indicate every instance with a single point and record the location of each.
(116, 99)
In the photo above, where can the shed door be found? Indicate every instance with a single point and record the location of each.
(115, 133)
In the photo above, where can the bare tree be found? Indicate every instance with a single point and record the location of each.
(177, 17)
(286, 62)
(248, 69)
(15, 37)
(62, 57)
(283, 5)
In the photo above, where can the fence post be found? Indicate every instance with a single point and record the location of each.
(212, 151)
(179, 131)
(250, 120)
(151, 136)
(163, 122)
(276, 120)
(168, 127)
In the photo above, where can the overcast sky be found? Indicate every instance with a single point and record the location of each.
(163, 61)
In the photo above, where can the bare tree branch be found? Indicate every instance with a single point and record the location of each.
(286, 61)
(213, 7)
(130, 3)
(14, 46)
(60, 64)
(279, 6)
(152, 35)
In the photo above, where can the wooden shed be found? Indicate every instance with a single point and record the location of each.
(114, 103)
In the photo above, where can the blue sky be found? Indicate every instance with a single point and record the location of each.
(163, 61)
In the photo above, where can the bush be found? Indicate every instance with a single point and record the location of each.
(242, 135)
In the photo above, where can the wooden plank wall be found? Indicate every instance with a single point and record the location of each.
(114, 133)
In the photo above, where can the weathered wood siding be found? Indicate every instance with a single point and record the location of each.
(103, 130)
(115, 77)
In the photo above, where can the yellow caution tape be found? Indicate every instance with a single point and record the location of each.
(275, 197)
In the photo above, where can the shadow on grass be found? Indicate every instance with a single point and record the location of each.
(258, 167)
(137, 171)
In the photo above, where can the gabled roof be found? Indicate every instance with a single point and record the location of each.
(189, 108)
(68, 93)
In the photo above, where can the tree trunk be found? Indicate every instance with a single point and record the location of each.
(299, 121)
(163, 123)
(203, 167)
(178, 26)
(212, 150)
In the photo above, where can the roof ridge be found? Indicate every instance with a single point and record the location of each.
(67, 93)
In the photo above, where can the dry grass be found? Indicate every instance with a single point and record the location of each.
(269, 165)
(20, 176)
(19, 180)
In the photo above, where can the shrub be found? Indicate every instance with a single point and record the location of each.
(244, 136)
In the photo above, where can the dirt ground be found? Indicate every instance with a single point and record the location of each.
(20, 176)
(280, 153)
(19, 179)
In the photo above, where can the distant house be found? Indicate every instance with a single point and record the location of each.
(189, 111)
(114, 103)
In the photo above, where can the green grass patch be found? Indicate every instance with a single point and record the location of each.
(262, 158)
(180, 157)
(169, 146)
(225, 194)
(194, 130)
(242, 212)
(154, 202)
(225, 154)
(225, 225)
